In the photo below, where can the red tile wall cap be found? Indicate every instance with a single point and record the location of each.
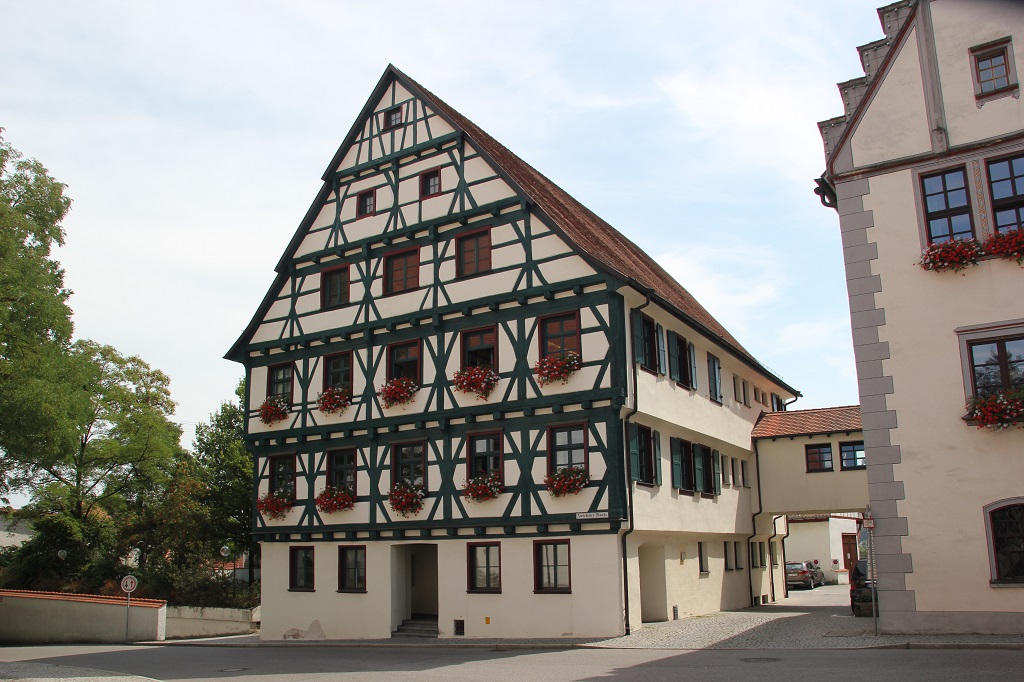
(87, 598)
(808, 422)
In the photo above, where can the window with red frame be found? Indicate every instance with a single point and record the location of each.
(366, 204)
(404, 361)
(567, 446)
(341, 468)
(551, 566)
(402, 271)
(392, 118)
(484, 454)
(1006, 180)
(334, 287)
(300, 569)
(474, 254)
(338, 371)
(279, 381)
(484, 568)
(410, 463)
(947, 206)
(479, 348)
(352, 568)
(430, 183)
(282, 475)
(997, 365)
(559, 334)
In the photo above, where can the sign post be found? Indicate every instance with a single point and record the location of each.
(128, 585)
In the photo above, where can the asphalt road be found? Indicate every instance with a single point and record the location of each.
(442, 663)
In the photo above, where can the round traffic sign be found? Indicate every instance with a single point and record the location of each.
(129, 583)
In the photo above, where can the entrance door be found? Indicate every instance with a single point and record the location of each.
(423, 580)
(653, 599)
(849, 551)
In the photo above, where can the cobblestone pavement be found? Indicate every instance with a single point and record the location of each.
(42, 672)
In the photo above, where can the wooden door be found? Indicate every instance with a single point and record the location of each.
(849, 551)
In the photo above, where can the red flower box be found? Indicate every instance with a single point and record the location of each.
(479, 380)
(397, 392)
(274, 505)
(335, 499)
(1008, 245)
(274, 409)
(406, 498)
(557, 368)
(998, 411)
(955, 255)
(334, 400)
(483, 488)
(566, 481)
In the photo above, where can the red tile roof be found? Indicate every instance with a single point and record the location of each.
(806, 422)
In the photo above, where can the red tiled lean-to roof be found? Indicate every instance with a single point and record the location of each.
(807, 422)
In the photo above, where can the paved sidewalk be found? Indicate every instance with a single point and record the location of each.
(42, 672)
(809, 619)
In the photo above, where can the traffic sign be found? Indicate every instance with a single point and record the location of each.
(129, 583)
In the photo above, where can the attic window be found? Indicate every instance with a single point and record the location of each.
(993, 71)
(430, 183)
(365, 204)
(392, 118)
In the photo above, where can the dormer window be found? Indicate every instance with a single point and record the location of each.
(392, 118)
(993, 71)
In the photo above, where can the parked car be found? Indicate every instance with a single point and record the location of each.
(804, 574)
(861, 600)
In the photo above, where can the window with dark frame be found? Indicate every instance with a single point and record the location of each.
(282, 475)
(366, 204)
(338, 371)
(682, 464)
(947, 206)
(1006, 182)
(551, 566)
(300, 569)
(279, 381)
(410, 462)
(334, 286)
(484, 566)
(352, 568)
(392, 118)
(1006, 526)
(484, 454)
(737, 549)
(404, 361)
(645, 446)
(474, 254)
(726, 470)
(851, 455)
(997, 365)
(402, 271)
(559, 334)
(430, 183)
(567, 447)
(681, 361)
(702, 560)
(735, 472)
(728, 555)
(714, 378)
(762, 554)
(703, 469)
(753, 555)
(992, 71)
(743, 471)
(480, 348)
(645, 336)
(773, 548)
(819, 457)
(341, 468)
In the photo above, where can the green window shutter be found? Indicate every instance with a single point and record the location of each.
(692, 352)
(657, 457)
(712, 388)
(718, 379)
(660, 336)
(634, 453)
(717, 459)
(675, 446)
(698, 468)
(638, 337)
(673, 356)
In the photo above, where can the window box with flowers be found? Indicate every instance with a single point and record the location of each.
(274, 505)
(1008, 245)
(406, 498)
(558, 367)
(479, 380)
(997, 411)
(566, 481)
(274, 409)
(335, 498)
(334, 400)
(484, 487)
(398, 391)
(955, 255)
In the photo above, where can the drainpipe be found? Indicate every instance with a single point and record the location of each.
(629, 473)
(785, 586)
(771, 566)
(753, 522)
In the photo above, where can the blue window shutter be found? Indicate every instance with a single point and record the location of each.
(638, 337)
(634, 453)
(657, 457)
(673, 355)
(698, 468)
(675, 446)
(660, 335)
(716, 457)
(693, 365)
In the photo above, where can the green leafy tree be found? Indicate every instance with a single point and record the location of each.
(35, 320)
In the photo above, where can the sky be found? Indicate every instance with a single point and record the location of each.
(193, 135)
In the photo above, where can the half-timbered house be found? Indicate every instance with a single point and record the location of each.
(431, 257)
